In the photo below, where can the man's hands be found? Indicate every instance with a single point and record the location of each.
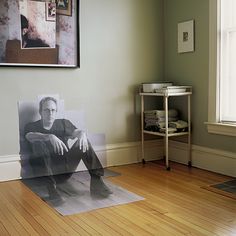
(82, 139)
(83, 142)
(58, 146)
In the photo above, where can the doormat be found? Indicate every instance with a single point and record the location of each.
(76, 196)
(227, 188)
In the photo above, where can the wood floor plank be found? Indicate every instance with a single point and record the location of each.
(145, 222)
(10, 222)
(197, 216)
(87, 227)
(26, 212)
(204, 223)
(52, 219)
(97, 224)
(175, 204)
(156, 218)
(124, 223)
(3, 230)
(14, 209)
(181, 193)
(76, 226)
(114, 222)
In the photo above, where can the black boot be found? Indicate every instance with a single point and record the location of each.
(98, 187)
(54, 195)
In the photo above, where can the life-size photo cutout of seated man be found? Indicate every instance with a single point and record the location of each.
(47, 139)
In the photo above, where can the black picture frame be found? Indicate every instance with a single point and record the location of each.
(50, 10)
(65, 53)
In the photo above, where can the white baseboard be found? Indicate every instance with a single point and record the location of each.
(109, 155)
(127, 153)
(10, 167)
(214, 160)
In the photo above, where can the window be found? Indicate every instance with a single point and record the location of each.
(222, 71)
(227, 59)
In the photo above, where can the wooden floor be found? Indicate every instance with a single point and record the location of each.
(175, 204)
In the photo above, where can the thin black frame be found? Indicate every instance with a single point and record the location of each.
(53, 19)
(76, 3)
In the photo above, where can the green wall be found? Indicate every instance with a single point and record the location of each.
(192, 68)
(123, 43)
(121, 46)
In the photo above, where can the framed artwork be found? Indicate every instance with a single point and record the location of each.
(50, 11)
(186, 36)
(39, 33)
(64, 7)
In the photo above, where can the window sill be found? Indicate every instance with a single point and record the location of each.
(223, 129)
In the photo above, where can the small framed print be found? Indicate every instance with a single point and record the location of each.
(186, 36)
(64, 7)
(50, 11)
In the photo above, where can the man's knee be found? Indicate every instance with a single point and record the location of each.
(40, 149)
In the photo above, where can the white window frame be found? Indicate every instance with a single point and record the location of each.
(214, 125)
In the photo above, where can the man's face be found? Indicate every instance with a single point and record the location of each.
(24, 35)
(48, 113)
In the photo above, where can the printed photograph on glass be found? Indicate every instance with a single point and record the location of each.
(39, 33)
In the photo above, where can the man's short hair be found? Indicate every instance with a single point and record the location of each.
(46, 99)
(24, 22)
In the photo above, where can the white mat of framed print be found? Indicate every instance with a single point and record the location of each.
(41, 33)
(186, 36)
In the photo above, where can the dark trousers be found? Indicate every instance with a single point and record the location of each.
(46, 163)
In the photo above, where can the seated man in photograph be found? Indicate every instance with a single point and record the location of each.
(48, 141)
(28, 42)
